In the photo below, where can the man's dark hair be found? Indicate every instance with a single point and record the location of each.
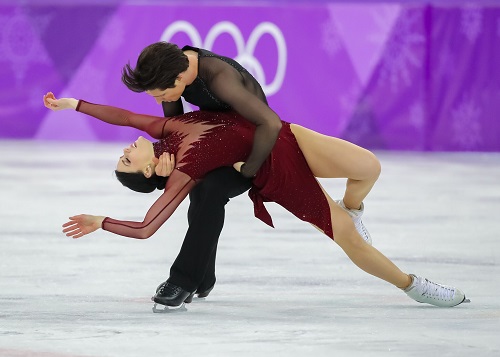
(157, 67)
(137, 182)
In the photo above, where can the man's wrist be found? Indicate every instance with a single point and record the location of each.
(242, 171)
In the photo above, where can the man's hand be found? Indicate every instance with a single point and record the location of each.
(165, 165)
(51, 102)
(83, 224)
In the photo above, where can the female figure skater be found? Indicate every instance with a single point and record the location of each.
(287, 177)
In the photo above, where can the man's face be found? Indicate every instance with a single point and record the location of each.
(169, 94)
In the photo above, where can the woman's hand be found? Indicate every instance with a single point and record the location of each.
(238, 165)
(50, 101)
(165, 165)
(83, 224)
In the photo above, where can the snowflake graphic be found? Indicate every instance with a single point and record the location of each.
(330, 35)
(348, 102)
(402, 51)
(466, 127)
(19, 43)
(349, 99)
(361, 123)
(471, 22)
(417, 116)
(383, 16)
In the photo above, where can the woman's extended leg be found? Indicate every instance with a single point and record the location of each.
(330, 157)
(375, 263)
(363, 255)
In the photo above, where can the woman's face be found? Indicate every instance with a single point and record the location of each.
(137, 156)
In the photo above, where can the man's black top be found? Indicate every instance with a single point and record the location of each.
(223, 84)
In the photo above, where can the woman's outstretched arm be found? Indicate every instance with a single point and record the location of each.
(178, 187)
(152, 125)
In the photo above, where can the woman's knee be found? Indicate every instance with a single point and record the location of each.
(376, 166)
(344, 232)
(349, 240)
(372, 166)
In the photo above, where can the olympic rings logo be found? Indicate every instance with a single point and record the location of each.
(245, 53)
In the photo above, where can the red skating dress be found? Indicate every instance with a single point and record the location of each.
(203, 141)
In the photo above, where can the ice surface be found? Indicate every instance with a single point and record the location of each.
(288, 291)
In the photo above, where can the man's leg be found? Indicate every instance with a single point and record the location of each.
(195, 264)
(209, 279)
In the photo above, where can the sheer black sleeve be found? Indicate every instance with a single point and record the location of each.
(227, 85)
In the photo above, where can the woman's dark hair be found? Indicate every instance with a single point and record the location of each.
(157, 67)
(137, 182)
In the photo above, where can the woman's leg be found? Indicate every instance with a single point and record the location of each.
(336, 158)
(375, 263)
(362, 254)
(330, 157)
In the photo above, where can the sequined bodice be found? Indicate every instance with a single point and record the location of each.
(203, 141)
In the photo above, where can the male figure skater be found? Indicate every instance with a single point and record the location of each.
(211, 82)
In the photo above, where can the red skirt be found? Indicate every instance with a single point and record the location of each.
(285, 178)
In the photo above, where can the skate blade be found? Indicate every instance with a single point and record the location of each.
(168, 309)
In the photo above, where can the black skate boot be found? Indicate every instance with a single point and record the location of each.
(171, 296)
(200, 293)
(204, 293)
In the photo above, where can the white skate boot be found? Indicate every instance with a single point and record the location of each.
(424, 290)
(356, 218)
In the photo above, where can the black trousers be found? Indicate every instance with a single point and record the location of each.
(194, 267)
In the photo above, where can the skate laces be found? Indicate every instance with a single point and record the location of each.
(160, 290)
(360, 227)
(434, 290)
(170, 287)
